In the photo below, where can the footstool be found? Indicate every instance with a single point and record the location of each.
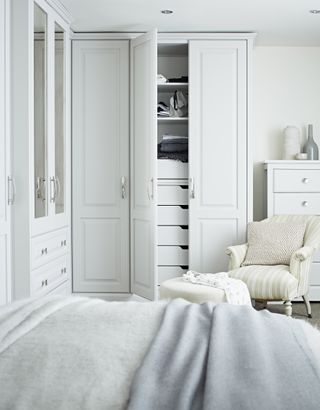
(180, 288)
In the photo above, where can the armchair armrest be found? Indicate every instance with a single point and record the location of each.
(302, 254)
(237, 254)
(300, 262)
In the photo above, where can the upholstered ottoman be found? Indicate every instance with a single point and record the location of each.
(180, 288)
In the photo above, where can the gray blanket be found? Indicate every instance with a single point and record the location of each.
(226, 357)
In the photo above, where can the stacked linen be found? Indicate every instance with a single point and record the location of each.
(173, 147)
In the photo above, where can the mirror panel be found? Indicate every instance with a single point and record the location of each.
(59, 118)
(40, 109)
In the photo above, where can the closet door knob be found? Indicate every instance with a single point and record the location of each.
(305, 180)
(305, 203)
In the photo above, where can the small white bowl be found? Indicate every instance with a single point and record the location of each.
(302, 156)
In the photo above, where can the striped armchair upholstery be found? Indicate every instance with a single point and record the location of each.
(280, 282)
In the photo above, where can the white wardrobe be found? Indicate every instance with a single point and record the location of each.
(137, 219)
(40, 133)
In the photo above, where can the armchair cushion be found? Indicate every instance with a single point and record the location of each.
(273, 243)
(267, 282)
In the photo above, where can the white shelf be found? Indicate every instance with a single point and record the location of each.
(172, 119)
(172, 86)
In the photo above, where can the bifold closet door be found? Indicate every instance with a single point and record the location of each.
(143, 164)
(100, 168)
(217, 151)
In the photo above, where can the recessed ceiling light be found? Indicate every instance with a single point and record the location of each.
(314, 11)
(166, 11)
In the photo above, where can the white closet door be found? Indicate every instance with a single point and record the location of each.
(100, 166)
(217, 151)
(5, 227)
(143, 164)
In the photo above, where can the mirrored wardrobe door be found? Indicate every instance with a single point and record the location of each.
(40, 112)
(59, 55)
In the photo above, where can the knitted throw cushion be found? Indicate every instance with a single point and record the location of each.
(273, 243)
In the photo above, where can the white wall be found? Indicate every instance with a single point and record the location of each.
(286, 91)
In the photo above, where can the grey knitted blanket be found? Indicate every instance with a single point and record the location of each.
(226, 357)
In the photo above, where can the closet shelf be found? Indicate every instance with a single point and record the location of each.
(172, 119)
(172, 86)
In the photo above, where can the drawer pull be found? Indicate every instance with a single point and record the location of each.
(44, 251)
(44, 283)
(305, 180)
(305, 203)
(63, 243)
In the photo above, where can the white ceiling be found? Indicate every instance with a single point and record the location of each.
(277, 22)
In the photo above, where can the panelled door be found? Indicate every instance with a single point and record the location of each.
(143, 164)
(5, 180)
(100, 168)
(217, 151)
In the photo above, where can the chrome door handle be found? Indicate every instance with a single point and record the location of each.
(123, 187)
(191, 187)
(152, 187)
(57, 188)
(11, 190)
(52, 189)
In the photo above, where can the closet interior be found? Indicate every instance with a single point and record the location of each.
(173, 133)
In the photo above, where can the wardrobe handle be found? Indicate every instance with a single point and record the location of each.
(150, 189)
(52, 189)
(11, 190)
(123, 187)
(57, 188)
(191, 183)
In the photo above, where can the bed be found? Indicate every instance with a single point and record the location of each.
(83, 353)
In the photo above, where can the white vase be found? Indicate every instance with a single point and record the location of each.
(291, 142)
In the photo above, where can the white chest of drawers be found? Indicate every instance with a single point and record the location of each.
(293, 187)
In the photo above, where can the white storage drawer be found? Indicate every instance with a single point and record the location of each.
(173, 195)
(173, 235)
(168, 168)
(43, 280)
(172, 255)
(170, 272)
(64, 289)
(172, 215)
(45, 248)
(292, 203)
(296, 180)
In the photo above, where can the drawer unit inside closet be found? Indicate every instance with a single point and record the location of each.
(173, 193)
(169, 169)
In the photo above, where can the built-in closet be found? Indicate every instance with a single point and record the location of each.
(140, 218)
(40, 128)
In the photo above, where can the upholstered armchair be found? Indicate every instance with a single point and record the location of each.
(279, 282)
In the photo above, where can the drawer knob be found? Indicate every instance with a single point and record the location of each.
(305, 203)
(45, 250)
(305, 180)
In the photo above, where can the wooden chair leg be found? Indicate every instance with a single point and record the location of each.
(308, 306)
(288, 307)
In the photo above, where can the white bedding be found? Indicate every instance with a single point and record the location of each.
(82, 354)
